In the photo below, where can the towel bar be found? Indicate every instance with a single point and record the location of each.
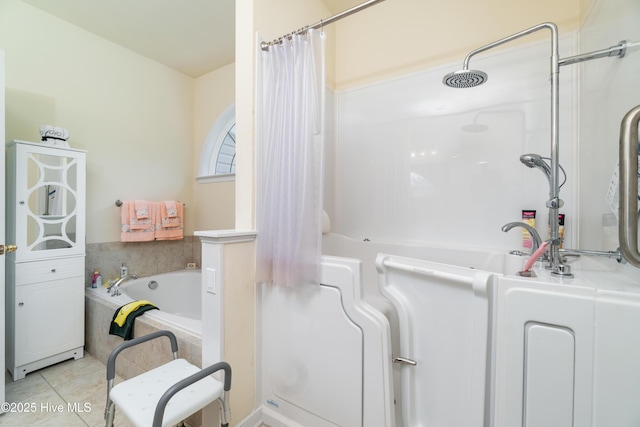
(119, 203)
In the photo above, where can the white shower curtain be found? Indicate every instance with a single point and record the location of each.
(290, 146)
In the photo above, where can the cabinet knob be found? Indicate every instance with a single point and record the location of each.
(21, 202)
(53, 270)
(20, 304)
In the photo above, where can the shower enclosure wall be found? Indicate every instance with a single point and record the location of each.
(438, 165)
(434, 170)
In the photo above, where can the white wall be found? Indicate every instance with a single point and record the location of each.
(609, 89)
(133, 115)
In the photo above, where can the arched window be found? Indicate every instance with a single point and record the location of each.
(218, 157)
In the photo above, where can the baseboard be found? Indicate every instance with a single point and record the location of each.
(264, 415)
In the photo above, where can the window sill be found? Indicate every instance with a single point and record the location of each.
(216, 178)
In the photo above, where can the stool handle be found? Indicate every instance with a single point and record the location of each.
(111, 362)
(164, 399)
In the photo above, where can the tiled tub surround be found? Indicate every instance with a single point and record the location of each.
(134, 361)
(141, 258)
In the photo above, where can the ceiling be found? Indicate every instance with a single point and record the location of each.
(193, 37)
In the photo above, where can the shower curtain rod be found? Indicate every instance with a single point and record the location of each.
(321, 23)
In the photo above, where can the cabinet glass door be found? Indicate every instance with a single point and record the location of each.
(52, 189)
(50, 201)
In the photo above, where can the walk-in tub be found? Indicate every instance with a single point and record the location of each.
(474, 343)
(329, 351)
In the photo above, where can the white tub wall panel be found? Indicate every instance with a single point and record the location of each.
(406, 168)
(549, 376)
(518, 304)
(326, 358)
(606, 95)
(444, 324)
(617, 361)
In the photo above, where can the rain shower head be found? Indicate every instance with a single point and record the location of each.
(465, 78)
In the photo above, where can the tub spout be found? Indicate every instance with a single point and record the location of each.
(535, 237)
(118, 282)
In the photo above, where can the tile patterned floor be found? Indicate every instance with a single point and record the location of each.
(70, 394)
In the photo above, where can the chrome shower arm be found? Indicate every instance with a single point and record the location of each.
(551, 26)
(618, 50)
(554, 202)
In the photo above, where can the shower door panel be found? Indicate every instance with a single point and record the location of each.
(443, 316)
(316, 356)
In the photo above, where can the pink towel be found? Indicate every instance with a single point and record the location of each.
(142, 209)
(132, 229)
(172, 208)
(169, 228)
(135, 221)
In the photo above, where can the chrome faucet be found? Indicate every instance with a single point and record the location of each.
(118, 282)
(536, 241)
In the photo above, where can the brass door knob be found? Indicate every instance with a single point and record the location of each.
(8, 249)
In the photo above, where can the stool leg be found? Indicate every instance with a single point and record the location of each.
(225, 411)
(111, 413)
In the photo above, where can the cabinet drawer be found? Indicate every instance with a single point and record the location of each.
(42, 271)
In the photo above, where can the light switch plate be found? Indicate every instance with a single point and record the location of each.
(210, 280)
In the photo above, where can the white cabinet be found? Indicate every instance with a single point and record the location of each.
(45, 276)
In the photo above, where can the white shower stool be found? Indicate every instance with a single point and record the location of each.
(168, 394)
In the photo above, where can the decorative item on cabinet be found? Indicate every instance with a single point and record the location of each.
(46, 189)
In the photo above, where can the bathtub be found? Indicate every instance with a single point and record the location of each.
(177, 295)
(463, 315)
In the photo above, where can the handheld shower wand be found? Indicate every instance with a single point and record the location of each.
(536, 161)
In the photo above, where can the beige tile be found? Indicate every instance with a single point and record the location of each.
(22, 390)
(84, 371)
(96, 403)
(43, 409)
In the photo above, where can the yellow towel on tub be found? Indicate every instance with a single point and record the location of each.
(126, 309)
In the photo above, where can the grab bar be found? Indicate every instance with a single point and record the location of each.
(628, 209)
(453, 277)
